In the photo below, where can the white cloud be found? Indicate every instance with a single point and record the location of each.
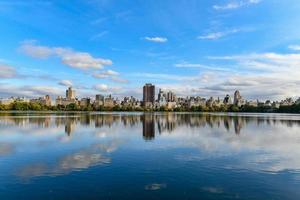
(261, 76)
(197, 65)
(218, 35)
(105, 88)
(84, 61)
(41, 52)
(162, 76)
(111, 75)
(8, 90)
(106, 74)
(67, 83)
(119, 79)
(7, 71)
(69, 57)
(227, 6)
(272, 62)
(156, 39)
(265, 75)
(236, 4)
(189, 65)
(101, 87)
(294, 47)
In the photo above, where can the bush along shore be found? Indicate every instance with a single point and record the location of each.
(25, 106)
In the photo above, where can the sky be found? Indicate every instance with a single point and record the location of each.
(195, 47)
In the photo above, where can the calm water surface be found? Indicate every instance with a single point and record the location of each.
(149, 156)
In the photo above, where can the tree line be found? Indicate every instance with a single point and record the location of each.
(30, 106)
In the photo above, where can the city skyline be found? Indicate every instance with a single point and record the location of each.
(207, 48)
(151, 101)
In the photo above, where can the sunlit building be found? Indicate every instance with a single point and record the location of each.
(108, 101)
(46, 100)
(7, 101)
(70, 98)
(85, 102)
(70, 93)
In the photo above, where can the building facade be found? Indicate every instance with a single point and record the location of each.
(70, 93)
(46, 100)
(148, 95)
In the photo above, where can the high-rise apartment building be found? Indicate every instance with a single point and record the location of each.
(70, 93)
(171, 97)
(148, 94)
(237, 97)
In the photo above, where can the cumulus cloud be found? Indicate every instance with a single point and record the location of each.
(294, 47)
(218, 35)
(236, 4)
(111, 75)
(67, 83)
(105, 88)
(261, 76)
(69, 57)
(119, 79)
(189, 65)
(163, 76)
(101, 87)
(197, 65)
(156, 39)
(106, 74)
(8, 90)
(265, 75)
(273, 62)
(7, 71)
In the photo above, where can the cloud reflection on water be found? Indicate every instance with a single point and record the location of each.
(92, 156)
(266, 142)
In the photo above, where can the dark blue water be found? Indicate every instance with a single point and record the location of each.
(151, 156)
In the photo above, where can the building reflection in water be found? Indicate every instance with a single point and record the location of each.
(148, 127)
(70, 126)
(164, 122)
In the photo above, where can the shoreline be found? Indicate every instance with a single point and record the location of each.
(143, 112)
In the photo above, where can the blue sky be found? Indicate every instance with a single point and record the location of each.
(196, 47)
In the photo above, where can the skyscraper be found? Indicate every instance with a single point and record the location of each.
(99, 97)
(227, 100)
(148, 94)
(161, 95)
(70, 93)
(237, 98)
(171, 97)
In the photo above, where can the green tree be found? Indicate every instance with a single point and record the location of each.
(72, 107)
(2, 107)
(233, 108)
(20, 106)
(35, 106)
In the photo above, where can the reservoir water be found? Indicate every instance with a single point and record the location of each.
(149, 156)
